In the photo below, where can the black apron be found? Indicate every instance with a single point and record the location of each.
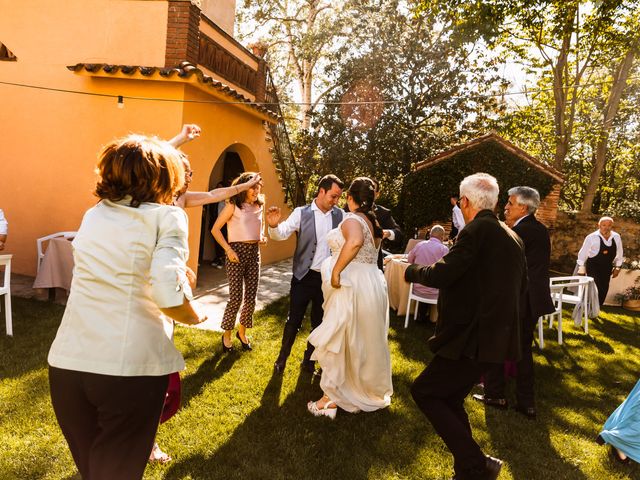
(601, 266)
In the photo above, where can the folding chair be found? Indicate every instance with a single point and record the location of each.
(5, 290)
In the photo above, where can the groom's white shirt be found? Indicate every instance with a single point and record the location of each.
(323, 224)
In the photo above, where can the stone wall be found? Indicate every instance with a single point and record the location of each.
(569, 232)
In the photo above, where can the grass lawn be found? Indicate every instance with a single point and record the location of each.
(237, 421)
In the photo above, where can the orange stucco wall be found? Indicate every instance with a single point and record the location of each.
(222, 12)
(50, 139)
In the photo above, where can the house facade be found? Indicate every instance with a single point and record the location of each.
(87, 71)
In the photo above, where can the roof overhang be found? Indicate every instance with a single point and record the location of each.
(186, 75)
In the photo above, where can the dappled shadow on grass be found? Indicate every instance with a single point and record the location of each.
(515, 439)
(285, 441)
(578, 384)
(35, 324)
(412, 341)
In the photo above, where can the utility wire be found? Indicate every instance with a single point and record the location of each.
(267, 104)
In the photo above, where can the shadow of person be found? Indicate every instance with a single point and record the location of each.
(208, 371)
(283, 440)
(523, 460)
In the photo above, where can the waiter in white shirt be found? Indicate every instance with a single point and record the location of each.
(600, 251)
(457, 220)
(4, 229)
(311, 224)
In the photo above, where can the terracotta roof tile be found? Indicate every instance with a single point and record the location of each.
(185, 70)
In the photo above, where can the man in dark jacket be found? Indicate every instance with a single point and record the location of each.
(519, 214)
(392, 235)
(481, 281)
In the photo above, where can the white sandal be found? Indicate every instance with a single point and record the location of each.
(158, 456)
(325, 411)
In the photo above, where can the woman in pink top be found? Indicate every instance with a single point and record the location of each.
(243, 215)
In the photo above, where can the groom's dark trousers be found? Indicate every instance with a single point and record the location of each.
(304, 291)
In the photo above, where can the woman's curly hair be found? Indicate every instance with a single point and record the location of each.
(241, 197)
(145, 168)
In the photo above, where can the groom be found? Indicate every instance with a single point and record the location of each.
(311, 223)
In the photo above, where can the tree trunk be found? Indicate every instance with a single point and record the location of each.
(609, 114)
(561, 93)
(307, 87)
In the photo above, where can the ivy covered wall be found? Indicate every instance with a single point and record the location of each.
(426, 192)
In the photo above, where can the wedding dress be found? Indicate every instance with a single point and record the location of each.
(351, 343)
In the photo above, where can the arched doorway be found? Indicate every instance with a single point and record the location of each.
(232, 162)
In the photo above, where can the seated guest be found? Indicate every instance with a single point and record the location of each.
(428, 252)
(110, 362)
(3, 229)
(600, 251)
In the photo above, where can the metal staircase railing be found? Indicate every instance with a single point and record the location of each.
(293, 185)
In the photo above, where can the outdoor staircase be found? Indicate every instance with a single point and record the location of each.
(293, 185)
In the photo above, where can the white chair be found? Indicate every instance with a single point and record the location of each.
(418, 299)
(40, 242)
(5, 290)
(578, 295)
(549, 317)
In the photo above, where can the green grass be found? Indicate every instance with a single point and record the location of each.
(237, 421)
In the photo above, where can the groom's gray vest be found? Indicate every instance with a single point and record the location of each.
(307, 241)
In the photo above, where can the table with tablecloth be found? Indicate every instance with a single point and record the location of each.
(56, 270)
(396, 284)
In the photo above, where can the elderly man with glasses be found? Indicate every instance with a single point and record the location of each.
(481, 281)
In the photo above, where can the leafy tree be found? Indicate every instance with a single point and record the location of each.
(432, 85)
(569, 46)
(300, 35)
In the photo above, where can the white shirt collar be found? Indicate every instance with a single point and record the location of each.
(317, 209)
(520, 219)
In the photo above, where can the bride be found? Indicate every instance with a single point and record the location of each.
(351, 342)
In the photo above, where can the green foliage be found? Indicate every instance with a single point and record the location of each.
(427, 191)
(432, 83)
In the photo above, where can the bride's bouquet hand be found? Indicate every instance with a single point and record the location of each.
(335, 280)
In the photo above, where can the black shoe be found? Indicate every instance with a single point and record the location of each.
(615, 455)
(529, 412)
(226, 349)
(489, 471)
(600, 441)
(499, 403)
(279, 365)
(245, 346)
(493, 467)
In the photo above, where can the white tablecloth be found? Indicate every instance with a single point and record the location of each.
(396, 284)
(56, 270)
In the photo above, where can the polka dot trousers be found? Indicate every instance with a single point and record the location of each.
(244, 275)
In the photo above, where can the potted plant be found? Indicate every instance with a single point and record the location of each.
(630, 298)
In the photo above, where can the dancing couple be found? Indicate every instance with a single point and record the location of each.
(335, 264)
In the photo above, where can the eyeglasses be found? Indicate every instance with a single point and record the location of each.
(189, 174)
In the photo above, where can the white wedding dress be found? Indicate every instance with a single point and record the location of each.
(351, 342)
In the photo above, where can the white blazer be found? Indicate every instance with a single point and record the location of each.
(129, 262)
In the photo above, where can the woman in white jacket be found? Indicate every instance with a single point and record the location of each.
(110, 360)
